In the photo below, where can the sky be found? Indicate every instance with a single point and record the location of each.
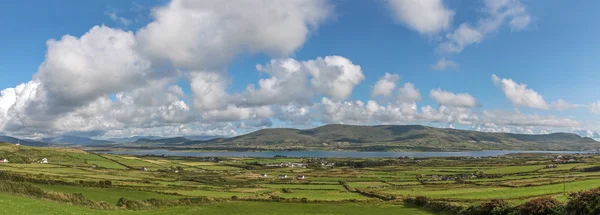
(180, 67)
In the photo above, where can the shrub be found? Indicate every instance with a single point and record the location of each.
(491, 207)
(584, 203)
(541, 206)
(421, 201)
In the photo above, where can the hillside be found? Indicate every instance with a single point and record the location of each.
(66, 139)
(7, 139)
(404, 137)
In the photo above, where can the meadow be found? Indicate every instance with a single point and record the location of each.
(125, 184)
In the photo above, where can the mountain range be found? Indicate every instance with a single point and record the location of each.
(344, 137)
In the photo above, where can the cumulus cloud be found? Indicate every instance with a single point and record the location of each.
(386, 85)
(334, 76)
(423, 16)
(408, 93)
(208, 89)
(446, 98)
(79, 70)
(293, 81)
(519, 94)
(207, 35)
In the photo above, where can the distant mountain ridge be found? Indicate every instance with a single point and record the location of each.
(67, 139)
(406, 135)
(344, 137)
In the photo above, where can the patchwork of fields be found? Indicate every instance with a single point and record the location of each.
(240, 183)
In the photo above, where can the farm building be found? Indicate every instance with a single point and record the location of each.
(300, 177)
(551, 166)
(283, 176)
(4, 160)
(144, 169)
(263, 175)
(44, 160)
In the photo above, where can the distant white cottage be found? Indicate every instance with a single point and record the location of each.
(44, 160)
(263, 175)
(4, 160)
(283, 176)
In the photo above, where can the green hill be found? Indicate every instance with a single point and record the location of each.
(415, 137)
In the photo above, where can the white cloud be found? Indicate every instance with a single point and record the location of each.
(334, 76)
(408, 94)
(423, 16)
(594, 107)
(495, 14)
(448, 114)
(386, 85)
(206, 35)
(209, 90)
(562, 105)
(79, 70)
(444, 64)
(112, 14)
(463, 36)
(446, 98)
(516, 118)
(519, 94)
(288, 83)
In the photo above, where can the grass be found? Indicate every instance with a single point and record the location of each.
(518, 181)
(17, 205)
(305, 186)
(513, 169)
(475, 192)
(110, 195)
(328, 195)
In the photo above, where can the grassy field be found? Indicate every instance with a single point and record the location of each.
(17, 205)
(235, 185)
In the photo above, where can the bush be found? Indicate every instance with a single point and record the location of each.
(541, 206)
(421, 201)
(491, 207)
(584, 203)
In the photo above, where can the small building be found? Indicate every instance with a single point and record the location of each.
(551, 166)
(263, 175)
(283, 176)
(94, 166)
(4, 160)
(300, 177)
(144, 169)
(44, 160)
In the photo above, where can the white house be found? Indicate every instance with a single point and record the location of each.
(300, 177)
(283, 176)
(44, 160)
(263, 175)
(4, 160)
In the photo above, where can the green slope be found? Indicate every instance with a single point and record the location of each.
(413, 136)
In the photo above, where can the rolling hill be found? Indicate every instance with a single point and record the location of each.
(415, 137)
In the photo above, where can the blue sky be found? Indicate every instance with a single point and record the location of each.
(554, 54)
